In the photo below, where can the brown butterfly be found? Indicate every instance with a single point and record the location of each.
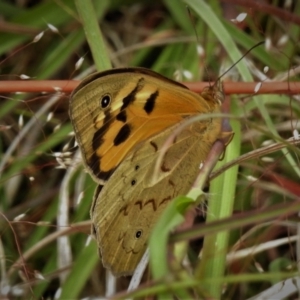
(121, 120)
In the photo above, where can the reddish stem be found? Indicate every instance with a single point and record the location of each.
(67, 86)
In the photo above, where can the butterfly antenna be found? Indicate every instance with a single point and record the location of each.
(193, 23)
(248, 51)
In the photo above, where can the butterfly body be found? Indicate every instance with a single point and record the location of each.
(120, 144)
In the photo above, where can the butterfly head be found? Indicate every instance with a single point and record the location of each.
(214, 93)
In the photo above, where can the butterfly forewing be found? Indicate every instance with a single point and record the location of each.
(143, 103)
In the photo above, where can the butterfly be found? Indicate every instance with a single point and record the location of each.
(121, 119)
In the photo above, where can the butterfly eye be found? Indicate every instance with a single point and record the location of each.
(105, 101)
(138, 234)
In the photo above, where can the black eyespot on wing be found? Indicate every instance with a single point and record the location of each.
(105, 101)
(122, 135)
(150, 103)
(133, 182)
(131, 96)
(138, 234)
(154, 145)
(122, 116)
(95, 165)
(136, 167)
(94, 161)
(99, 134)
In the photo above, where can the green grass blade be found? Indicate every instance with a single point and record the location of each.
(81, 270)
(93, 34)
